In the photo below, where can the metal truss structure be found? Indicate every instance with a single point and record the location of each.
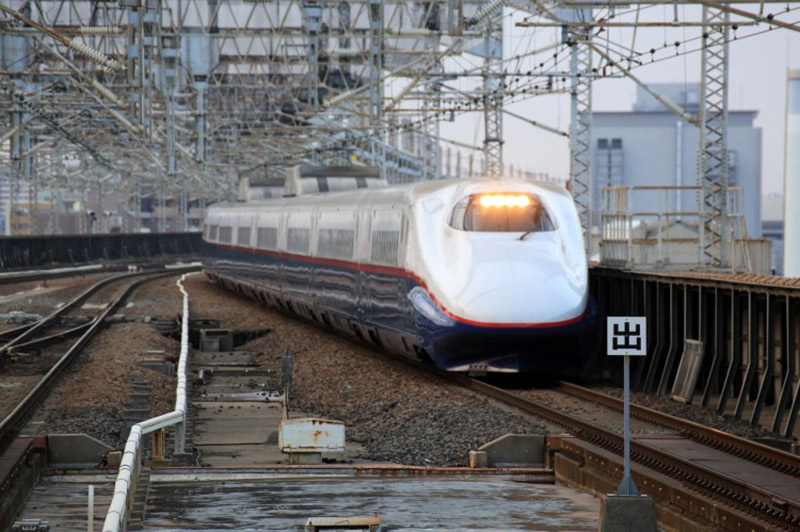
(173, 101)
(153, 108)
(713, 150)
(579, 39)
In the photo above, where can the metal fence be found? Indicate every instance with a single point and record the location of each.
(25, 252)
(727, 342)
(665, 236)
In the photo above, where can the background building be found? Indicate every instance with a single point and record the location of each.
(651, 146)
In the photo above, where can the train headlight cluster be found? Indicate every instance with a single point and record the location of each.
(504, 200)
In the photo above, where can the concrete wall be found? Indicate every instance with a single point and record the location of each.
(650, 142)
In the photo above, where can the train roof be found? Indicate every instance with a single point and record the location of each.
(393, 193)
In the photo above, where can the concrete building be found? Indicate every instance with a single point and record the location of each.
(791, 182)
(772, 227)
(651, 146)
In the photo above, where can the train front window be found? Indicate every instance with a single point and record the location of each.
(522, 213)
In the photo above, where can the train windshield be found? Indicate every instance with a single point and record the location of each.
(501, 213)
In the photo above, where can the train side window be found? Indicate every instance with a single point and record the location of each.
(384, 246)
(267, 237)
(212, 232)
(501, 213)
(298, 239)
(385, 236)
(225, 234)
(336, 243)
(243, 236)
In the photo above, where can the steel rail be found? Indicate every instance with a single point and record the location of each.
(77, 300)
(10, 334)
(742, 447)
(58, 273)
(57, 337)
(18, 417)
(753, 500)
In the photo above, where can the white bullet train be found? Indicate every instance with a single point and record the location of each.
(472, 274)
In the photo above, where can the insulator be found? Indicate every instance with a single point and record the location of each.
(94, 55)
(485, 11)
(99, 30)
(102, 89)
(414, 32)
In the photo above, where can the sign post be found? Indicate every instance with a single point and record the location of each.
(627, 336)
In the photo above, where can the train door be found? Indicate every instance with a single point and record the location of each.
(361, 290)
(385, 231)
(297, 264)
(404, 286)
(313, 274)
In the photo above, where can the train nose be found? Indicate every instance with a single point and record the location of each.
(552, 301)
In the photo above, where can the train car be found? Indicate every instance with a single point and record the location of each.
(473, 275)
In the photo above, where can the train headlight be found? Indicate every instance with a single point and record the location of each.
(501, 212)
(504, 200)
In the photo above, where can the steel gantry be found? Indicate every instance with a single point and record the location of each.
(713, 156)
(579, 39)
(171, 102)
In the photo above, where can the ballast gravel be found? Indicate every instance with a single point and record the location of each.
(94, 395)
(397, 413)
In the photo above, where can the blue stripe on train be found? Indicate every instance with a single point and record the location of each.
(395, 313)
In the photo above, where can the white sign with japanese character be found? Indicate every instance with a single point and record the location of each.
(627, 335)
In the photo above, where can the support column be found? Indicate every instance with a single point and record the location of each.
(712, 160)
(312, 20)
(580, 130)
(200, 84)
(376, 142)
(493, 97)
(431, 152)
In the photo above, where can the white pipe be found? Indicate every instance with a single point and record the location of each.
(116, 515)
(90, 523)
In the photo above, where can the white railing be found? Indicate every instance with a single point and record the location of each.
(667, 236)
(125, 486)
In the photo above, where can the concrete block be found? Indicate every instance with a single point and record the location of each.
(216, 340)
(626, 513)
(478, 459)
(114, 458)
(161, 366)
(75, 449)
(515, 450)
(305, 458)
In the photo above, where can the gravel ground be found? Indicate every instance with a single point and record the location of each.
(92, 396)
(397, 413)
(695, 413)
(42, 297)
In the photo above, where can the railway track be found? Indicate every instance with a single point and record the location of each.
(61, 273)
(749, 450)
(776, 502)
(41, 333)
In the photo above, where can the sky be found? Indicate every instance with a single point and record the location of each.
(758, 67)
